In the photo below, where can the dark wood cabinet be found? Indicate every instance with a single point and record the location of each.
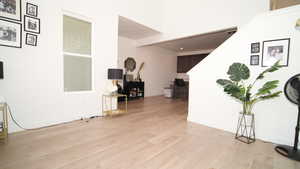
(134, 90)
(186, 63)
(182, 64)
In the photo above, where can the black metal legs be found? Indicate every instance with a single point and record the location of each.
(246, 128)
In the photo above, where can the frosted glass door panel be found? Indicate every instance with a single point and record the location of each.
(77, 36)
(77, 73)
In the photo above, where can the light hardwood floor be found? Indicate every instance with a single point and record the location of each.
(153, 135)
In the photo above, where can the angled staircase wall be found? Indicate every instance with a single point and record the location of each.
(210, 106)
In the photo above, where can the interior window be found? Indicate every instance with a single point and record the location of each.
(77, 54)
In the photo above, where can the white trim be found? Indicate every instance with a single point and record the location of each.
(81, 92)
(92, 52)
(86, 19)
(204, 51)
(77, 55)
(77, 16)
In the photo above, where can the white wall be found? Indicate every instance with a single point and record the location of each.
(148, 13)
(160, 64)
(33, 84)
(192, 17)
(209, 105)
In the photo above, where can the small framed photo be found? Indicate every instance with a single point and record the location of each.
(10, 9)
(276, 50)
(255, 47)
(10, 34)
(32, 24)
(254, 60)
(31, 9)
(31, 39)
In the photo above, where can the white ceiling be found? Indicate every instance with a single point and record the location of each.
(134, 30)
(199, 42)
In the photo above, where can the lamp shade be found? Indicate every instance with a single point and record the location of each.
(115, 74)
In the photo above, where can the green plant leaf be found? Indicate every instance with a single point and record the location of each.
(238, 72)
(253, 101)
(224, 82)
(270, 96)
(271, 69)
(267, 87)
(235, 91)
(248, 95)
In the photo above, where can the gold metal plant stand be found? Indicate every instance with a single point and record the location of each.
(4, 123)
(111, 111)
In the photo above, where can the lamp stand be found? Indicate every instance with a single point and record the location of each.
(114, 83)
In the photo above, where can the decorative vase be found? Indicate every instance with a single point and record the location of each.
(246, 126)
(247, 107)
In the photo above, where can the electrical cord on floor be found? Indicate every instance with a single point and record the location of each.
(93, 117)
(20, 126)
(14, 120)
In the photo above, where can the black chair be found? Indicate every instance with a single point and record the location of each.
(180, 89)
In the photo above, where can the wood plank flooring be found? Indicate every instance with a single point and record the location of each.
(153, 135)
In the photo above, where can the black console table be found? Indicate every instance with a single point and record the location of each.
(134, 90)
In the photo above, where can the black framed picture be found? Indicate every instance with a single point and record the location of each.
(31, 24)
(10, 34)
(11, 9)
(1, 70)
(254, 60)
(31, 39)
(276, 50)
(31, 9)
(255, 47)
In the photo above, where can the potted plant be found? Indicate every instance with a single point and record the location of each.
(235, 86)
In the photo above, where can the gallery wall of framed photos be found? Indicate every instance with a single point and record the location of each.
(270, 52)
(14, 20)
(255, 50)
(31, 24)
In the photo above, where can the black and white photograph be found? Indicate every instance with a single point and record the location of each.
(10, 34)
(31, 9)
(10, 9)
(31, 24)
(255, 47)
(254, 60)
(31, 39)
(276, 50)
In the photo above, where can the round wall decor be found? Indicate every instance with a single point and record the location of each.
(130, 64)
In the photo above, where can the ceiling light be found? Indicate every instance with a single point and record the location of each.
(181, 48)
